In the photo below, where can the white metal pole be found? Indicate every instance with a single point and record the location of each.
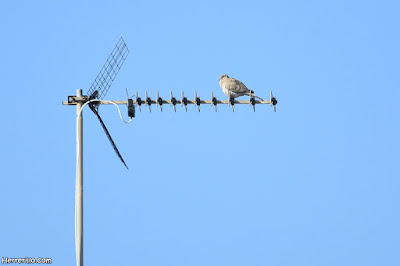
(79, 184)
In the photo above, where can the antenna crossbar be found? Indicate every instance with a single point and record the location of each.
(178, 102)
(184, 101)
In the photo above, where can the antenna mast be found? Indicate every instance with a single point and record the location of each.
(95, 98)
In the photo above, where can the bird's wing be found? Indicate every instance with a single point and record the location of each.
(237, 86)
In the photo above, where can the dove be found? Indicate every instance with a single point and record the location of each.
(234, 88)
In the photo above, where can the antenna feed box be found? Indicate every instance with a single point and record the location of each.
(131, 108)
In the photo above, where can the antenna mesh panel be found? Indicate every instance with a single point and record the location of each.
(110, 69)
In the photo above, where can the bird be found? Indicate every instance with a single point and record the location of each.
(234, 88)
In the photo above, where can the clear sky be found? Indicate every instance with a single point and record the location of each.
(316, 183)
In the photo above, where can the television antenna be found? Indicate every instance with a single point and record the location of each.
(95, 98)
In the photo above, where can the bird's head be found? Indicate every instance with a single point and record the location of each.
(223, 76)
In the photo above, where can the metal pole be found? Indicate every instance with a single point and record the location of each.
(79, 184)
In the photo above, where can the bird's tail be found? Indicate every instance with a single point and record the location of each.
(251, 93)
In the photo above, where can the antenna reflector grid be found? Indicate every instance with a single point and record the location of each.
(109, 71)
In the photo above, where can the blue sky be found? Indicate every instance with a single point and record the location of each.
(316, 183)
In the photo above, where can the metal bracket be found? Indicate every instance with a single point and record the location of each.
(213, 100)
(73, 100)
(197, 100)
(232, 102)
(184, 101)
(159, 101)
(139, 102)
(173, 101)
(147, 102)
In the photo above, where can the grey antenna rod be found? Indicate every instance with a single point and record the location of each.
(103, 82)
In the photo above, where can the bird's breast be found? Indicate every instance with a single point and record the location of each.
(225, 90)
